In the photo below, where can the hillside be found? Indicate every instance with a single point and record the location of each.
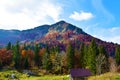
(36, 33)
(58, 33)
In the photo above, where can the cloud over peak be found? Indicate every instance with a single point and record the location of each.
(82, 16)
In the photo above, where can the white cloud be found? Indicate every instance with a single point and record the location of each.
(114, 29)
(106, 34)
(24, 14)
(81, 16)
(114, 39)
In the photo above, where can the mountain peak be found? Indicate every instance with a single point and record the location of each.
(61, 22)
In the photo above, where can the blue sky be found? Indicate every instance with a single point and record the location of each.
(99, 18)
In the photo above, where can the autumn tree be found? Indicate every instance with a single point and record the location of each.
(113, 67)
(64, 62)
(30, 54)
(24, 53)
(5, 57)
(25, 63)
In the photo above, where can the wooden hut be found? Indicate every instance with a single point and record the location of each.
(79, 74)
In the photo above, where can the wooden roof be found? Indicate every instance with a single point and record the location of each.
(80, 72)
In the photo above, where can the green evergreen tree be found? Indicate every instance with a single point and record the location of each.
(70, 56)
(56, 63)
(86, 55)
(103, 51)
(55, 58)
(117, 55)
(26, 63)
(16, 55)
(93, 52)
(25, 46)
(58, 49)
(36, 55)
(82, 55)
(8, 47)
(0, 64)
(47, 64)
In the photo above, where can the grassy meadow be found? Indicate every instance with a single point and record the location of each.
(106, 76)
(22, 76)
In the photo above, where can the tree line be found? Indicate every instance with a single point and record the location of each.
(53, 60)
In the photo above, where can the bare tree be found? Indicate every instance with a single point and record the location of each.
(113, 67)
(100, 60)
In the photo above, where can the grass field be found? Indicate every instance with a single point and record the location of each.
(21, 76)
(106, 76)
